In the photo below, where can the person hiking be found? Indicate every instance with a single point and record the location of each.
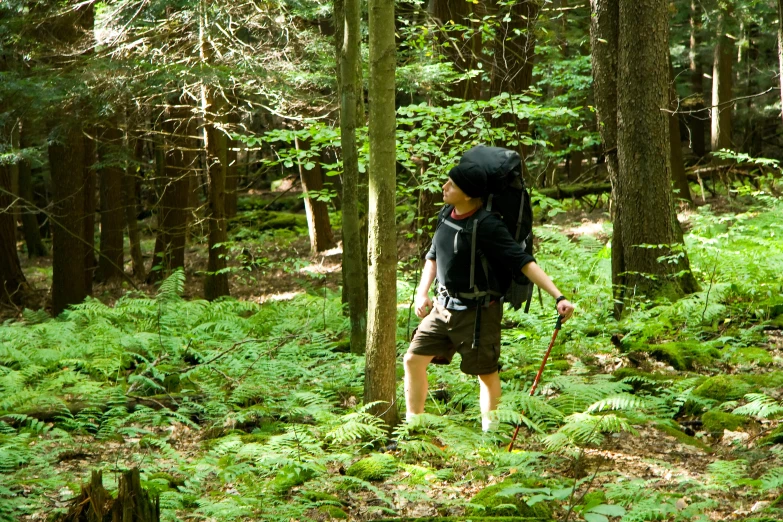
(455, 322)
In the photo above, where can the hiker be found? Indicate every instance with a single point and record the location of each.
(457, 321)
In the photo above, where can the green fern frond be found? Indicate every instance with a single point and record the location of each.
(761, 406)
(772, 479)
(172, 288)
(625, 401)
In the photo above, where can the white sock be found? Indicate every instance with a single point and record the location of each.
(488, 423)
(410, 417)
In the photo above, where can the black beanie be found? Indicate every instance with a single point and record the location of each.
(470, 178)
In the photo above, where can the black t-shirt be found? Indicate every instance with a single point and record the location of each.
(451, 251)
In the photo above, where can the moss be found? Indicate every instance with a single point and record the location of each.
(289, 477)
(777, 322)
(747, 356)
(687, 355)
(333, 512)
(319, 496)
(772, 380)
(722, 388)
(173, 481)
(715, 422)
(684, 437)
(378, 466)
(508, 505)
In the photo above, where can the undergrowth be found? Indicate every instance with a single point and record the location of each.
(239, 411)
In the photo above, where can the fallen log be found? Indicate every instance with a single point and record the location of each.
(578, 190)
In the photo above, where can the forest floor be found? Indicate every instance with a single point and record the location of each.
(682, 472)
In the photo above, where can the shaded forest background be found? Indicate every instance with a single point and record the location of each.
(190, 233)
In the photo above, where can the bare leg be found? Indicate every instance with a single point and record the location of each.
(416, 382)
(489, 396)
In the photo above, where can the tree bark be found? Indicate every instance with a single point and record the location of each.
(32, 232)
(380, 372)
(722, 88)
(604, 41)
(321, 237)
(170, 240)
(464, 52)
(129, 197)
(354, 267)
(780, 52)
(512, 63)
(112, 258)
(232, 167)
(645, 209)
(216, 281)
(679, 179)
(696, 122)
(66, 162)
(15, 288)
(88, 233)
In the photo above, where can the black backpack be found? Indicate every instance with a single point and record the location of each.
(508, 198)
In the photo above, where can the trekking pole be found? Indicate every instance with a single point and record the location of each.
(538, 375)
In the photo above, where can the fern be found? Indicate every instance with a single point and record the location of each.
(760, 405)
(582, 429)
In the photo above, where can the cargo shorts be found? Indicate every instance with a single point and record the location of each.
(446, 332)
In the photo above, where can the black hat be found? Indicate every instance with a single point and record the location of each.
(470, 178)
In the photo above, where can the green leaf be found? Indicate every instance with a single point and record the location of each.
(595, 517)
(608, 510)
(309, 165)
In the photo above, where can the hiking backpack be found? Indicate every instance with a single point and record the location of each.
(508, 199)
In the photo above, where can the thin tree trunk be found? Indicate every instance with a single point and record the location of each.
(464, 49)
(696, 121)
(780, 52)
(112, 258)
(216, 281)
(66, 162)
(675, 145)
(604, 34)
(512, 65)
(722, 88)
(13, 170)
(129, 196)
(15, 288)
(90, 157)
(232, 168)
(645, 209)
(321, 237)
(380, 372)
(32, 232)
(170, 241)
(354, 267)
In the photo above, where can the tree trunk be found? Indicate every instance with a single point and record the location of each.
(129, 197)
(696, 120)
(170, 241)
(464, 52)
(90, 157)
(380, 372)
(15, 288)
(722, 88)
(354, 267)
(679, 179)
(232, 167)
(645, 209)
(216, 281)
(321, 237)
(95, 504)
(66, 162)
(512, 64)
(32, 232)
(112, 258)
(780, 51)
(604, 33)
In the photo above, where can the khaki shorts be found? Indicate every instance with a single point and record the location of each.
(445, 332)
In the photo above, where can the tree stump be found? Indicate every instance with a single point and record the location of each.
(95, 504)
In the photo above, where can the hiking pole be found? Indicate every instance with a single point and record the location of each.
(538, 375)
